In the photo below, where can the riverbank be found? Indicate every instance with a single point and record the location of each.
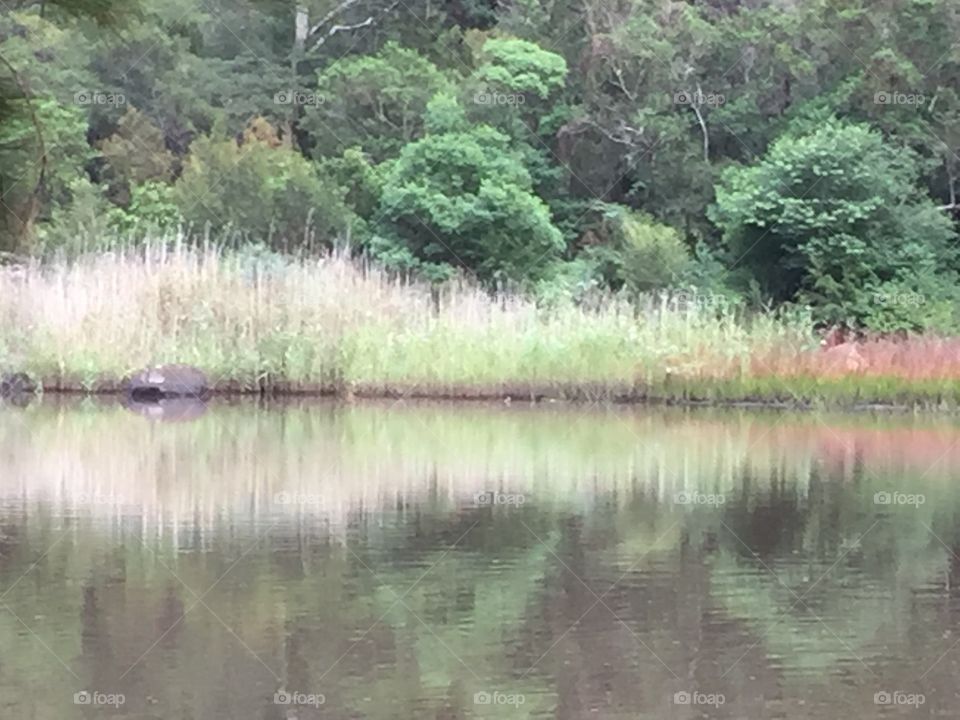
(276, 326)
(782, 394)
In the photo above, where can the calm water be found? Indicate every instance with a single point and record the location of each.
(418, 561)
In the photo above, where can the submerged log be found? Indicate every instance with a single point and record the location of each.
(165, 382)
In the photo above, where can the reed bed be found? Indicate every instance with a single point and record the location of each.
(329, 325)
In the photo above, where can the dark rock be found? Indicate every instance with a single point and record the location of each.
(14, 384)
(165, 382)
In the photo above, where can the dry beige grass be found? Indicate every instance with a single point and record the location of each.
(330, 324)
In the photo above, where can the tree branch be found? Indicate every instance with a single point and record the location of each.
(626, 135)
(343, 28)
(345, 5)
(703, 125)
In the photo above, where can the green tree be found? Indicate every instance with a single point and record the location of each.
(260, 189)
(517, 88)
(135, 153)
(513, 66)
(43, 123)
(651, 256)
(835, 218)
(460, 197)
(373, 102)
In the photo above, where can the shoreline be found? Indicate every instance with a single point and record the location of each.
(571, 397)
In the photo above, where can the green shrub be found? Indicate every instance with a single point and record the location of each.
(84, 220)
(632, 250)
(261, 189)
(463, 199)
(833, 218)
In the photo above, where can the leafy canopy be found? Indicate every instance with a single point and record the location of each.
(462, 198)
(835, 218)
(261, 188)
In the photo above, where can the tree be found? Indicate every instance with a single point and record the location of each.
(41, 78)
(513, 66)
(372, 102)
(835, 218)
(650, 255)
(261, 190)
(515, 88)
(135, 153)
(460, 197)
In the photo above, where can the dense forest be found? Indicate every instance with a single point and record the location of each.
(768, 152)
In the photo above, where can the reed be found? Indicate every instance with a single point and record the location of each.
(280, 324)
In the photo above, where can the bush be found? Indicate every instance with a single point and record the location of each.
(463, 199)
(262, 189)
(654, 255)
(832, 218)
(153, 204)
(632, 250)
(85, 220)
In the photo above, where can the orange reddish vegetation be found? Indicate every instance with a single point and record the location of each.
(911, 358)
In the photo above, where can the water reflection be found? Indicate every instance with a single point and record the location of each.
(318, 560)
(169, 409)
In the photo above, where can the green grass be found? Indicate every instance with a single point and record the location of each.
(330, 325)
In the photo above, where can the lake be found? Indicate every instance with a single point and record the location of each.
(404, 560)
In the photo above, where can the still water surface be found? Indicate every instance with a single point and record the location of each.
(437, 561)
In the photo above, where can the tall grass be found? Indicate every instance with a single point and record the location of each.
(326, 324)
(276, 324)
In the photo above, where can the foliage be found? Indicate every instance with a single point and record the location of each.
(153, 204)
(666, 113)
(462, 199)
(520, 67)
(135, 154)
(355, 172)
(834, 218)
(84, 222)
(640, 253)
(376, 102)
(259, 188)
